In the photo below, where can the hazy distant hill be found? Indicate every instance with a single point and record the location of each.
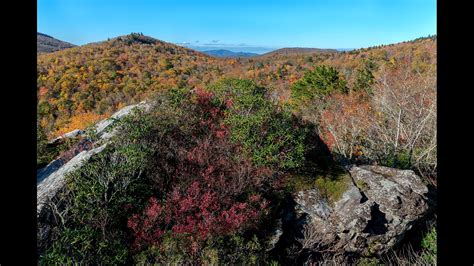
(298, 50)
(48, 44)
(229, 54)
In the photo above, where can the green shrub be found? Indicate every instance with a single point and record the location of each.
(400, 159)
(168, 253)
(224, 250)
(368, 261)
(365, 78)
(429, 244)
(85, 245)
(100, 196)
(273, 137)
(43, 154)
(317, 83)
(237, 250)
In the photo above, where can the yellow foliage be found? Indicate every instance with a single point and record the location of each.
(43, 122)
(80, 121)
(120, 106)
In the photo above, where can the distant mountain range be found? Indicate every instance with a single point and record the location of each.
(48, 44)
(228, 54)
(299, 50)
(282, 51)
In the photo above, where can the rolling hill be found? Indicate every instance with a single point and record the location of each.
(48, 44)
(84, 83)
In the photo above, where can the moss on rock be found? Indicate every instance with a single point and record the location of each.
(332, 187)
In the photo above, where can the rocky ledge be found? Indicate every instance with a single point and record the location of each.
(51, 179)
(380, 205)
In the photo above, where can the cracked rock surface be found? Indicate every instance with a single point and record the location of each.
(372, 215)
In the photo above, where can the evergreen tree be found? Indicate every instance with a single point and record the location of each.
(365, 77)
(318, 83)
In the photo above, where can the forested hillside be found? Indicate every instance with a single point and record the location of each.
(81, 84)
(299, 51)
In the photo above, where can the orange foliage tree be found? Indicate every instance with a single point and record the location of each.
(80, 121)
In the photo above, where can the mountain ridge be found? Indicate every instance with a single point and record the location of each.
(47, 44)
(299, 50)
(228, 54)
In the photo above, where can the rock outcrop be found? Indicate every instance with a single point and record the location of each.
(372, 215)
(73, 134)
(47, 188)
(51, 179)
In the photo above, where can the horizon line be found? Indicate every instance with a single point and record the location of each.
(221, 47)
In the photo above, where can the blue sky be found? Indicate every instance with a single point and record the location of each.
(243, 25)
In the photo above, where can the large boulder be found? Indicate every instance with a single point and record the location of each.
(379, 206)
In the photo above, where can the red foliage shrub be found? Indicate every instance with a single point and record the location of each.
(207, 153)
(196, 213)
(208, 174)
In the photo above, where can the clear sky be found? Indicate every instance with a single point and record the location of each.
(244, 25)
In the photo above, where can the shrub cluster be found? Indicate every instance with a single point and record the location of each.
(322, 81)
(189, 181)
